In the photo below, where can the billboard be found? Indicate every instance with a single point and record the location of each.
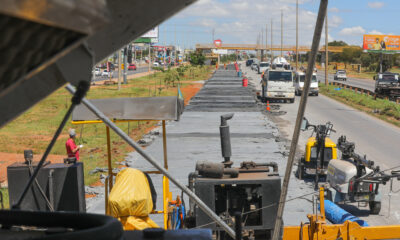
(153, 33)
(381, 43)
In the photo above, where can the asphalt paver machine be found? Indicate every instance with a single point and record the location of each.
(239, 195)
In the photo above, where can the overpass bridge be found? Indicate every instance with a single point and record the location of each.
(259, 47)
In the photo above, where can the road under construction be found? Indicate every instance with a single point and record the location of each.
(231, 170)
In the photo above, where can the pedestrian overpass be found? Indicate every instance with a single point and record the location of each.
(261, 47)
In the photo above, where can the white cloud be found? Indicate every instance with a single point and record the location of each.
(375, 32)
(375, 5)
(334, 21)
(334, 9)
(353, 31)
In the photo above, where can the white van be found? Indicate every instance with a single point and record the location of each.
(277, 84)
(263, 66)
(299, 84)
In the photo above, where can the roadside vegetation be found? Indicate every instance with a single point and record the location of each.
(35, 128)
(384, 109)
(357, 63)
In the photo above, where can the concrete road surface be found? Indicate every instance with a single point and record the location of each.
(375, 138)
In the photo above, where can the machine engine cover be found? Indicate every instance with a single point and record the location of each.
(339, 174)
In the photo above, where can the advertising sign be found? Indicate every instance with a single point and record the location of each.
(381, 43)
(153, 33)
(218, 43)
(220, 51)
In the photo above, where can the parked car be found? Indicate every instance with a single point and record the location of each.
(340, 75)
(263, 67)
(249, 62)
(132, 66)
(156, 64)
(105, 73)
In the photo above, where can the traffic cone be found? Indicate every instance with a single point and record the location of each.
(268, 108)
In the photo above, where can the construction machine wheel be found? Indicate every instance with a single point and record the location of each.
(374, 207)
(291, 100)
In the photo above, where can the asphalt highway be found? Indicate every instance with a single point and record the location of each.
(368, 84)
(115, 73)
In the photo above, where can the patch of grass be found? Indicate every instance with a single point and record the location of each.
(4, 192)
(35, 128)
(384, 109)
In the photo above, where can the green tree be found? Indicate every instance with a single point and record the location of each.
(337, 43)
(366, 60)
(197, 59)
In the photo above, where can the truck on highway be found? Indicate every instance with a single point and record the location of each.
(299, 84)
(387, 85)
(278, 84)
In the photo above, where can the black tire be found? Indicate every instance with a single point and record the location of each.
(374, 207)
(291, 100)
(316, 94)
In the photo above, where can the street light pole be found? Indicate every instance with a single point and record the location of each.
(297, 34)
(281, 33)
(326, 49)
(272, 33)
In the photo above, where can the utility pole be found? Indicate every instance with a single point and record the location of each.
(262, 47)
(326, 49)
(266, 41)
(213, 32)
(297, 34)
(175, 43)
(281, 33)
(165, 45)
(125, 63)
(272, 33)
(119, 69)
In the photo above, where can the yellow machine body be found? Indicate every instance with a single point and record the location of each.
(312, 142)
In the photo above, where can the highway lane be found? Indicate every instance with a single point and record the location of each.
(128, 73)
(375, 138)
(368, 84)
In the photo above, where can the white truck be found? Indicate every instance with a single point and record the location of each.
(277, 84)
(299, 84)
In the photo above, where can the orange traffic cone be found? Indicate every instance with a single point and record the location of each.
(268, 108)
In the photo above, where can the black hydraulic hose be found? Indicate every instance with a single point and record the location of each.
(83, 87)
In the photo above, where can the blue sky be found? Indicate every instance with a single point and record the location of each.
(241, 21)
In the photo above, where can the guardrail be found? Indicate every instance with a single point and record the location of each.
(363, 91)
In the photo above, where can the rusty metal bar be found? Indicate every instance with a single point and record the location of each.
(300, 114)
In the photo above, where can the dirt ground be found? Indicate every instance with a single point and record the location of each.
(7, 159)
(189, 91)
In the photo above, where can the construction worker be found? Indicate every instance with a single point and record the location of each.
(72, 149)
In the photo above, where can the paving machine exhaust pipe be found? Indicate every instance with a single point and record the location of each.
(226, 140)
